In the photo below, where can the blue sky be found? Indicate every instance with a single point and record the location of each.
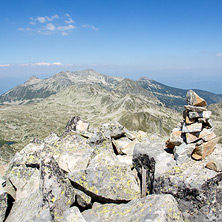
(176, 42)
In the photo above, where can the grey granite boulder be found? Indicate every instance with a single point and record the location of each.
(113, 130)
(57, 191)
(29, 209)
(182, 153)
(72, 215)
(197, 189)
(110, 183)
(152, 208)
(3, 204)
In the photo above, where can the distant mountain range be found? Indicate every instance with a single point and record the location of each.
(36, 89)
(41, 106)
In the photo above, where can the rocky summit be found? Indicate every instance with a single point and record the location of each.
(109, 173)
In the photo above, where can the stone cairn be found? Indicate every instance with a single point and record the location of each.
(194, 137)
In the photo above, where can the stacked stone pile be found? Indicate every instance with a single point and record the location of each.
(195, 135)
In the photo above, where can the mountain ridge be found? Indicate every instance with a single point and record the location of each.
(35, 89)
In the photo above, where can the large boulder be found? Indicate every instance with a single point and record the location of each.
(110, 183)
(56, 189)
(113, 130)
(197, 189)
(30, 208)
(42, 189)
(152, 208)
(71, 152)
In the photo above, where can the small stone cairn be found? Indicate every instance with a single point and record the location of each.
(194, 137)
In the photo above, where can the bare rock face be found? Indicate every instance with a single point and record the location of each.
(194, 100)
(149, 208)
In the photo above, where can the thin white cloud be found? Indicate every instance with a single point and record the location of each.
(24, 29)
(69, 19)
(219, 54)
(4, 65)
(43, 19)
(90, 27)
(50, 27)
(67, 27)
(42, 64)
(32, 23)
(175, 68)
(64, 33)
(45, 25)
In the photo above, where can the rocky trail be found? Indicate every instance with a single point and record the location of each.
(112, 174)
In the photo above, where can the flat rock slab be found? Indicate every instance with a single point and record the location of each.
(205, 149)
(107, 184)
(150, 208)
(195, 108)
(204, 114)
(192, 128)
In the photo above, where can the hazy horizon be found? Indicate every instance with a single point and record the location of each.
(177, 43)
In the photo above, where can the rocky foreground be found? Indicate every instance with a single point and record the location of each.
(109, 174)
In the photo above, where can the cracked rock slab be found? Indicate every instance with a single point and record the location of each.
(107, 184)
(152, 208)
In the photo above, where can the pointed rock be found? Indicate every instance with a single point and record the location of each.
(194, 100)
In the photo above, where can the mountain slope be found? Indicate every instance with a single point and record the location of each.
(175, 97)
(37, 89)
(93, 103)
